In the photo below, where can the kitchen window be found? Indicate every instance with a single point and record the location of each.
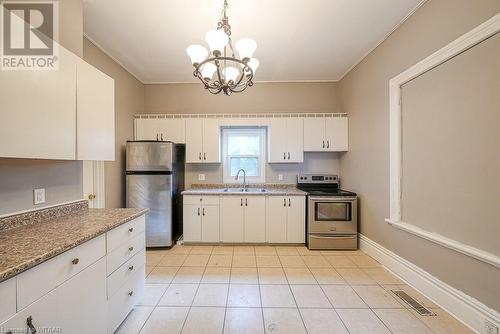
(244, 148)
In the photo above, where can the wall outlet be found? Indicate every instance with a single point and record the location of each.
(201, 177)
(280, 177)
(490, 328)
(38, 196)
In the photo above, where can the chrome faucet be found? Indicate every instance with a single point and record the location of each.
(244, 178)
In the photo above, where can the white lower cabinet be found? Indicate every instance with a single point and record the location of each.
(74, 297)
(286, 219)
(201, 219)
(255, 219)
(243, 219)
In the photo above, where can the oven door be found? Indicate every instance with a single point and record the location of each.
(332, 215)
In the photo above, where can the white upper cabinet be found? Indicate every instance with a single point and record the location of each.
(285, 140)
(328, 134)
(63, 114)
(95, 114)
(202, 141)
(171, 129)
(38, 111)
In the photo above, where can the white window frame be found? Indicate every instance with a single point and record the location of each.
(226, 132)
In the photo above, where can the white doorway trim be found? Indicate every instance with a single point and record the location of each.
(461, 44)
(93, 183)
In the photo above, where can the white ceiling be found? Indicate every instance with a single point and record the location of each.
(298, 40)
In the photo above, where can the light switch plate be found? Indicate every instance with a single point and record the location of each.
(38, 196)
(280, 177)
(201, 177)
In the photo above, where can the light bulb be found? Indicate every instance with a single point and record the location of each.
(254, 64)
(246, 47)
(197, 53)
(217, 40)
(208, 71)
(231, 74)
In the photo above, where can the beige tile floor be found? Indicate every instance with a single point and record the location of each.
(263, 289)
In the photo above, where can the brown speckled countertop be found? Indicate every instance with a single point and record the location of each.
(225, 189)
(29, 244)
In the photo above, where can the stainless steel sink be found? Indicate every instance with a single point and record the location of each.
(247, 190)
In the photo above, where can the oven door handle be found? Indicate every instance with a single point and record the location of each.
(332, 199)
(332, 236)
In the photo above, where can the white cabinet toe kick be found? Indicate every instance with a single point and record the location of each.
(88, 289)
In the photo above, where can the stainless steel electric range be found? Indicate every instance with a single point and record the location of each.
(332, 213)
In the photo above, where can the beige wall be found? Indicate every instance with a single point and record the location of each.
(61, 179)
(365, 169)
(129, 100)
(261, 98)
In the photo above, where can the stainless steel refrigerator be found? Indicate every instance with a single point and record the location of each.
(154, 180)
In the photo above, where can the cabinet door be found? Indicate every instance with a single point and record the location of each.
(210, 223)
(255, 218)
(276, 136)
(82, 301)
(232, 219)
(146, 129)
(314, 134)
(172, 129)
(43, 314)
(276, 219)
(191, 217)
(295, 140)
(38, 111)
(296, 223)
(337, 134)
(95, 114)
(211, 140)
(194, 140)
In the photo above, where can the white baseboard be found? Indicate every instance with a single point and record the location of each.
(470, 311)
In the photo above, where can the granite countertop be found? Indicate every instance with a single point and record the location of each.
(29, 244)
(220, 189)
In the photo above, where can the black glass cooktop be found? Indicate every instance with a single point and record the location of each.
(324, 191)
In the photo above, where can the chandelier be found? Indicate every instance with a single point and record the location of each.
(221, 69)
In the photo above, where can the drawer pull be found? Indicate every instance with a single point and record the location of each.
(131, 248)
(75, 261)
(29, 322)
(131, 229)
(131, 268)
(131, 293)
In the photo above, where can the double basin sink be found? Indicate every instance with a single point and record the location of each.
(245, 190)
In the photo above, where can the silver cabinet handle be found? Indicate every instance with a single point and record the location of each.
(131, 293)
(204, 156)
(161, 136)
(289, 202)
(284, 155)
(131, 268)
(323, 144)
(199, 156)
(246, 201)
(131, 248)
(241, 201)
(327, 144)
(284, 201)
(198, 211)
(29, 322)
(203, 211)
(288, 155)
(131, 229)
(156, 137)
(75, 260)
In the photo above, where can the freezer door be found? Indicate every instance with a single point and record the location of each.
(155, 193)
(150, 156)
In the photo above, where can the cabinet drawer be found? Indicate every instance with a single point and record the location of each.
(36, 282)
(124, 299)
(43, 315)
(124, 272)
(125, 252)
(8, 298)
(124, 233)
(201, 200)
